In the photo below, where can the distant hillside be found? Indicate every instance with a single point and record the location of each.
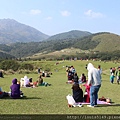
(107, 42)
(57, 54)
(95, 43)
(4, 55)
(12, 31)
(70, 35)
(102, 42)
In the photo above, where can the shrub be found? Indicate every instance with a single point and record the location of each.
(9, 64)
(26, 66)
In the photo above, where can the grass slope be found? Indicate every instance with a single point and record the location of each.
(108, 42)
(52, 99)
(68, 51)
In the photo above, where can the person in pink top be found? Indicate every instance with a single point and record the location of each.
(87, 93)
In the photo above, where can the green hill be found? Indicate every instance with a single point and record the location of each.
(70, 35)
(107, 42)
(103, 43)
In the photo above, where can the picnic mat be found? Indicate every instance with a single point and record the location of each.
(98, 102)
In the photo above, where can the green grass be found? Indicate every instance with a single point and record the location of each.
(52, 99)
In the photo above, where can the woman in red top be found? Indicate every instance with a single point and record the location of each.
(87, 93)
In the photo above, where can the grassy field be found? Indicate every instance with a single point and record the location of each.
(52, 99)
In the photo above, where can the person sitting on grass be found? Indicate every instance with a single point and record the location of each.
(3, 94)
(77, 93)
(70, 77)
(35, 84)
(26, 82)
(41, 83)
(30, 82)
(15, 92)
(75, 78)
(82, 79)
(1, 74)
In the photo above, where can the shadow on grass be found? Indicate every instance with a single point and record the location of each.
(23, 98)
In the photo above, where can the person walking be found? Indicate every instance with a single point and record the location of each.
(94, 79)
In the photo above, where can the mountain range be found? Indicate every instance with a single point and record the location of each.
(12, 31)
(22, 41)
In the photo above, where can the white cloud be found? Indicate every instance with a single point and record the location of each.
(92, 14)
(65, 13)
(35, 12)
(49, 18)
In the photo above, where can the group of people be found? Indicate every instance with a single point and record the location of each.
(44, 73)
(92, 87)
(27, 82)
(15, 91)
(115, 73)
(73, 77)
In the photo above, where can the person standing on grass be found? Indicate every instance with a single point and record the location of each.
(118, 75)
(100, 69)
(94, 79)
(112, 76)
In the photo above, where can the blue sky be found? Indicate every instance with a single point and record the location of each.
(56, 16)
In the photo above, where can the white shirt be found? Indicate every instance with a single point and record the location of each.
(94, 76)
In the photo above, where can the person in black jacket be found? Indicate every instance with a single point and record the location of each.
(75, 78)
(1, 74)
(77, 93)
